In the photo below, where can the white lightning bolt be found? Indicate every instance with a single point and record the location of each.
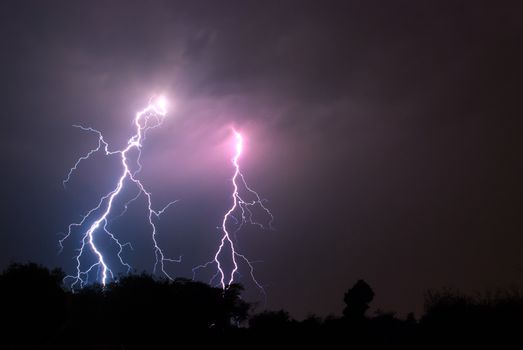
(246, 214)
(150, 117)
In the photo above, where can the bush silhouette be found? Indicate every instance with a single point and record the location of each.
(271, 321)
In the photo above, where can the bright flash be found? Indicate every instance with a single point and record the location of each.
(160, 105)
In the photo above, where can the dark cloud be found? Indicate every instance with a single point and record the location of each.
(385, 134)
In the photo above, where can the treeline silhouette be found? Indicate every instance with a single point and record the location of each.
(141, 312)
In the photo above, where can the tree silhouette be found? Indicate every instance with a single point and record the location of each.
(357, 300)
(141, 311)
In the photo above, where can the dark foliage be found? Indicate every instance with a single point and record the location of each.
(453, 318)
(33, 305)
(143, 312)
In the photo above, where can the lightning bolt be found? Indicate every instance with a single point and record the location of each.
(149, 118)
(244, 210)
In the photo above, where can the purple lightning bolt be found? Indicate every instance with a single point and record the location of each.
(244, 209)
(150, 117)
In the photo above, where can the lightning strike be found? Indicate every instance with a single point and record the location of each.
(149, 118)
(241, 213)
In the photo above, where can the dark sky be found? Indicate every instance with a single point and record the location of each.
(387, 136)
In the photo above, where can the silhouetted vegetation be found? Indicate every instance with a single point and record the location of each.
(143, 312)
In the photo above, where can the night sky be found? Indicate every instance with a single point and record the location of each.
(386, 135)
